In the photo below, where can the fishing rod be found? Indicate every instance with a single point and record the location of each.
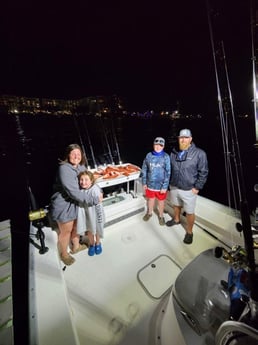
(80, 137)
(35, 215)
(90, 144)
(116, 142)
(107, 143)
(22, 139)
(244, 211)
(254, 62)
(223, 118)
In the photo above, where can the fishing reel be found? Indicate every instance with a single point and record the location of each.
(37, 214)
(38, 219)
(236, 257)
(237, 283)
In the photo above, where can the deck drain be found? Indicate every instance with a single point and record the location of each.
(129, 237)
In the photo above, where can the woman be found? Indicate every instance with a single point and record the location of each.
(64, 202)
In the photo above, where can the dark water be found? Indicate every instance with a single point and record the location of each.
(30, 147)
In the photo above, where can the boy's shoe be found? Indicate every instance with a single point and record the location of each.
(162, 221)
(188, 238)
(171, 222)
(85, 240)
(147, 217)
(91, 251)
(98, 249)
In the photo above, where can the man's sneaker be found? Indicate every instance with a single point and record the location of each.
(162, 221)
(171, 222)
(91, 250)
(98, 249)
(188, 238)
(147, 217)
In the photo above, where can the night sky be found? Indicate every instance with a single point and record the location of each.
(154, 54)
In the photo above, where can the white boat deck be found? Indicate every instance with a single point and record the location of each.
(110, 298)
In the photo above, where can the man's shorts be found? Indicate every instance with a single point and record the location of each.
(183, 198)
(155, 194)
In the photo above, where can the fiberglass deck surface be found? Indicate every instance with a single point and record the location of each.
(114, 295)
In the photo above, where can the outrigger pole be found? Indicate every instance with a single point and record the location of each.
(244, 210)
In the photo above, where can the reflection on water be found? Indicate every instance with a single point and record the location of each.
(31, 146)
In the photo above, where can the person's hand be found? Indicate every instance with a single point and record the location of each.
(144, 187)
(195, 191)
(163, 191)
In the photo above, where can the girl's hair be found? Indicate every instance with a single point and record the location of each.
(70, 148)
(88, 173)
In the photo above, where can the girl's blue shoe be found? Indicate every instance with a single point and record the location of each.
(91, 251)
(98, 249)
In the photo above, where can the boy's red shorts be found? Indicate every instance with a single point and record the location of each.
(155, 194)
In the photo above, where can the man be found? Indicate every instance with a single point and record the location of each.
(189, 172)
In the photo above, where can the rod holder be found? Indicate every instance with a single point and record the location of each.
(40, 235)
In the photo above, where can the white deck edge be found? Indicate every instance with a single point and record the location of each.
(61, 328)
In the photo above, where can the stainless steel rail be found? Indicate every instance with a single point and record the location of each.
(223, 334)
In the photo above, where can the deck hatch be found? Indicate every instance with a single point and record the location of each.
(158, 276)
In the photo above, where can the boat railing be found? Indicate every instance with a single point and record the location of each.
(230, 330)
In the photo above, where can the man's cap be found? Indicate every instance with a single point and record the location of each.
(185, 133)
(159, 141)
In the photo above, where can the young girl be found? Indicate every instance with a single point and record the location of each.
(91, 218)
